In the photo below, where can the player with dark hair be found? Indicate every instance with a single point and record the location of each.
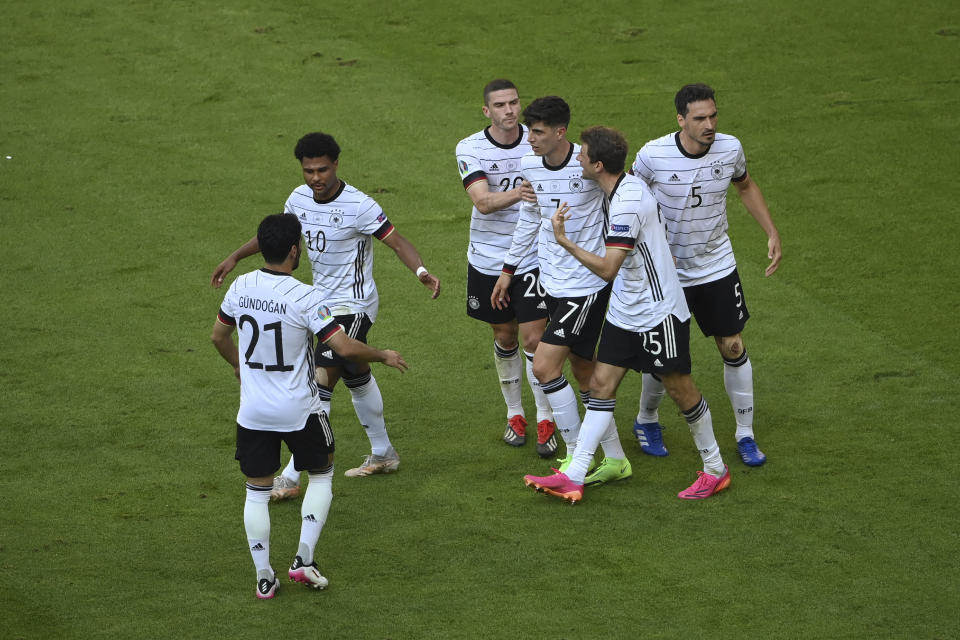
(489, 164)
(647, 323)
(576, 297)
(276, 317)
(689, 172)
(338, 223)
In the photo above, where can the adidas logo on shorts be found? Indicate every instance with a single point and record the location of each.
(559, 333)
(542, 305)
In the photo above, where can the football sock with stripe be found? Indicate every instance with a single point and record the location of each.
(651, 395)
(256, 523)
(563, 402)
(701, 428)
(543, 405)
(610, 439)
(738, 380)
(509, 370)
(313, 512)
(596, 423)
(368, 403)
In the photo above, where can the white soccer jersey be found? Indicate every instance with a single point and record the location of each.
(276, 317)
(480, 157)
(646, 289)
(561, 275)
(338, 234)
(692, 192)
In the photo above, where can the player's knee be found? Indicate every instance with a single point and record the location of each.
(545, 371)
(731, 347)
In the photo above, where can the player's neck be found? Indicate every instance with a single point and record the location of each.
(286, 267)
(556, 157)
(608, 181)
(504, 136)
(691, 146)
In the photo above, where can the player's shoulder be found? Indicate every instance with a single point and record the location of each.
(726, 142)
(472, 141)
(300, 192)
(632, 190)
(530, 160)
(665, 141)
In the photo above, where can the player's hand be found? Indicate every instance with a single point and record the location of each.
(500, 297)
(431, 282)
(527, 194)
(557, 220)
(395, 360)
(775, 253)
(221, 272)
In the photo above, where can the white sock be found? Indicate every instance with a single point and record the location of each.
(544, 412)
(368, 403)
(738, 380)
(510, 370)
(610, 441)
(701, 428)
(256, 522)
(596, 422)
(313, 511)
(290, 473)
(563, 402)
(651, 395)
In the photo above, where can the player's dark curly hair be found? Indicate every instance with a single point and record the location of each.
(497, 85)
(691, 93)
(606, 145)
(552, 111)
(276, 234)
(316, 144)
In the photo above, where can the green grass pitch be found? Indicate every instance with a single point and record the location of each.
(140, 143)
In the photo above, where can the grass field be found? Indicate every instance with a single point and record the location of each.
(140, 143)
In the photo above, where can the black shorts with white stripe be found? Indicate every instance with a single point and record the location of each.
(259, 451)
(719, 306)
(576, 322)
(663, 349)
(355, 325)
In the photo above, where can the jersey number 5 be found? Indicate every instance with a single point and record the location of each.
(277, 342)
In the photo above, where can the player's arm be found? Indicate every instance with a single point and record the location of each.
(249, 248)
(524, 233)
(487, 201)
(222, 339)
(605, 266)
(352, 349)
(753, 201)
(409, 256)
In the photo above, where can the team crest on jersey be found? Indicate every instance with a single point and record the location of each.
(716, 169)
(473, 303)
(336, 220)
(576, 185)
(323, 312)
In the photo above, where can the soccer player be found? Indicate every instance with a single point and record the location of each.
(647, 324)
(489, 163)
(689, 172)
(338, 223)
(276, 317)
(576, 297)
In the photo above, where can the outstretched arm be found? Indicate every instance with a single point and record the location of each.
(605, 266)
(409, 256)
(487, 201)
(752, 199)
(249, 248)
(352, 349)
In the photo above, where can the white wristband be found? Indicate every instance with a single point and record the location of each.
(421, 271)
